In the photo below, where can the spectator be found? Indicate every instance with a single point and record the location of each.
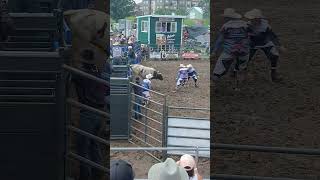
(189, 164)
(92, 94)
(121, 170)
(138, 91)
(131, 55)
(167, 170)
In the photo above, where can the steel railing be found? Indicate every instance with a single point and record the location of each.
(71, 102)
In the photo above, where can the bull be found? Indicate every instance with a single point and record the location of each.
(141, 71)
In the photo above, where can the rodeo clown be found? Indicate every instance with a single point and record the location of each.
(146, 83)
(192, 73)
(262, 37)
(234, 39)
(182, 76)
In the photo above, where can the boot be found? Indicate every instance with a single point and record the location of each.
(274, 76)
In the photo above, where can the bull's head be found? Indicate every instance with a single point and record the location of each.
(157, 75)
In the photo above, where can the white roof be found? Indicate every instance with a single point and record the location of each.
(164, 16)
(198, 9)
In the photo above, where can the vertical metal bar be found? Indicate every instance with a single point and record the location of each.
(164, 127)
(130, 106)
(197, 154)
(67, 117)
(145, 126)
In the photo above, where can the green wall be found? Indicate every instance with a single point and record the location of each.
(142, 36)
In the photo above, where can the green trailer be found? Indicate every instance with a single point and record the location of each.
(161, 33)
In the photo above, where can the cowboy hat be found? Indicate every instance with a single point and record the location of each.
(254, 14)
(187, 162)
(167, 170)
(189, 66)
(149, 76)
(231, 13)
(87, 56)
(182, 66)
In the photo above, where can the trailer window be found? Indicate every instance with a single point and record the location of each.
(163, 27)
(144, 26)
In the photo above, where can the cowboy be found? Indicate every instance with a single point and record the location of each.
(121, 170)
(189, 164)
(234, 38)
(192, 73)
(167, 170)
(92, 94)
(262, 37)
(146, 83)
(182, 76)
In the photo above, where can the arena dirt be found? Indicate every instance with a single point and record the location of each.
(283, 114)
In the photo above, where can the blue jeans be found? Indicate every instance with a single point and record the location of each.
(137, 108)
(87, 147)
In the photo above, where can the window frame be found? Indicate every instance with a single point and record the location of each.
(172, 23)
(143, 22)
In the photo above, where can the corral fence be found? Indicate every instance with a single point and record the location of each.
(147, 122)
(72, 129)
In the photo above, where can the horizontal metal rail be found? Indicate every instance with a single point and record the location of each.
(134, 120)
(189, 108)
(153, 120)
(148, 89)
(147, 108)
(188, 137)
(239, 177)
(86, 75)
(80, 105)
(158, 149)
(136, 137)
(84, 133)
(87, 161)
(195, 128)
(266, 149)
(159, 141)
(153, 156)
(150, 100)
(191, 118)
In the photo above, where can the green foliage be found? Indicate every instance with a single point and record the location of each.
(120, 9)
(132, 18)
(164, 11)
(205, 5)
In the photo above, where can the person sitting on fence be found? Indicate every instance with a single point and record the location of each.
(131, 55)
(192, 73)
(138, 91)
(121, 170)
(262, 37)
(167, 170)
(147, 86)
(182, 76)
(189, 164)
(234, 36)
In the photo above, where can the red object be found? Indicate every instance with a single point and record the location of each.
(190, 56)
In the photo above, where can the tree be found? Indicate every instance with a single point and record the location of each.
(205, 5)
(164, 11)
(119, 9)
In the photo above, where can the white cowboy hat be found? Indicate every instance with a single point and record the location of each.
(189, 66)
(254, 14)
(149, 76)
(187, 162)
(167, 170)
(182, 66)
(231, 13)
(130, 47)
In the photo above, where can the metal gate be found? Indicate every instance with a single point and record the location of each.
(150, 128)
(71, 128)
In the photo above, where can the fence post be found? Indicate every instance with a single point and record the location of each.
(145, 125)
(197, 154)
(164, 128)
(130, 114)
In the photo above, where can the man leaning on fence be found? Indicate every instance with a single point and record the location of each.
(138, 91)
(92, 94)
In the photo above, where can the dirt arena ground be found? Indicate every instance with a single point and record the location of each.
(186, 97)
(283, 114)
